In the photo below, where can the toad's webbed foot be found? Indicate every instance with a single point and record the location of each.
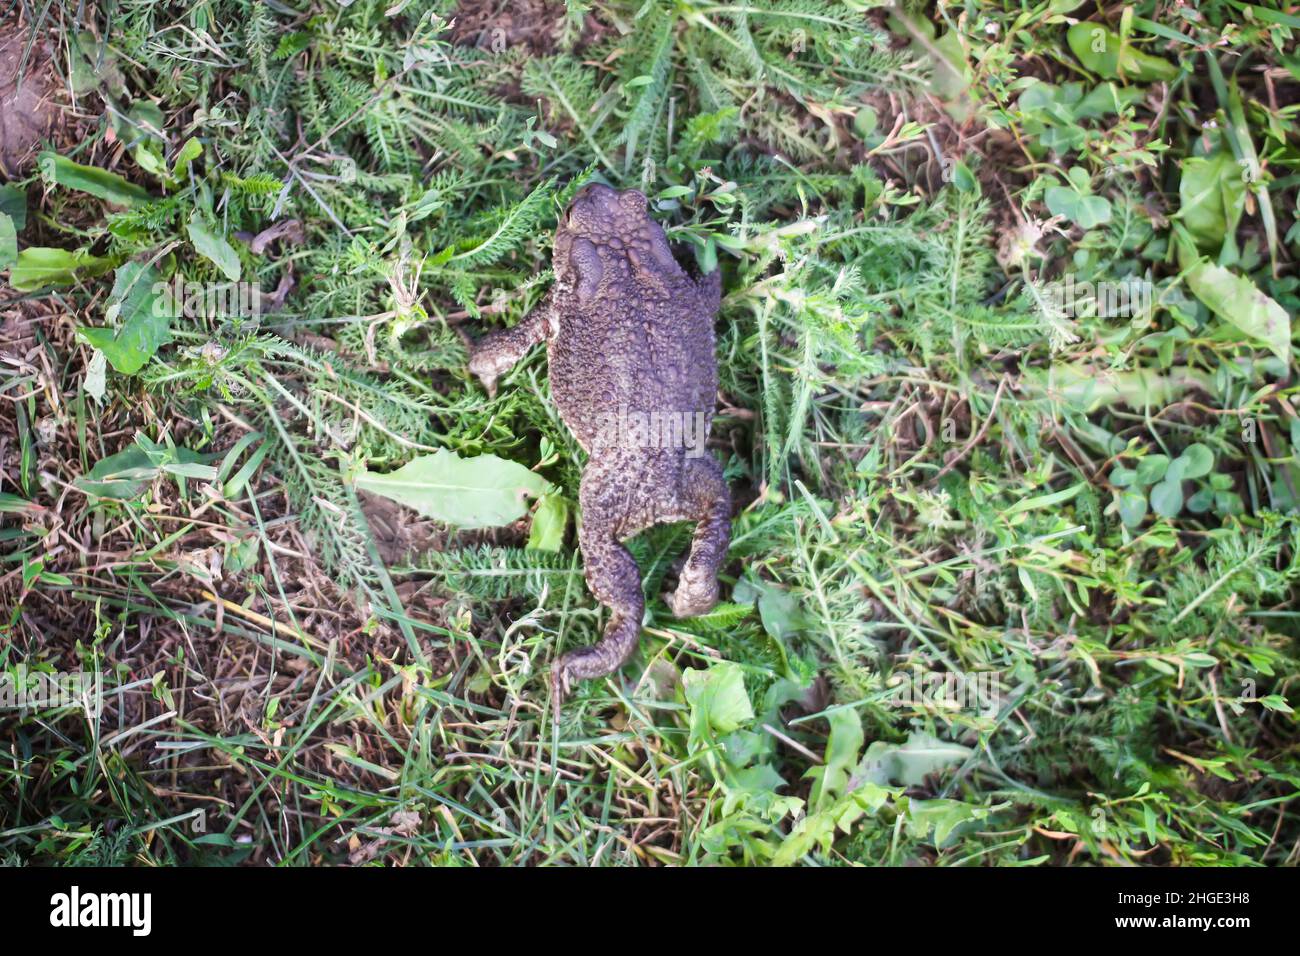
(708, 503)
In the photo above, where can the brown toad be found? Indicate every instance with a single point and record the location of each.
(629, 338)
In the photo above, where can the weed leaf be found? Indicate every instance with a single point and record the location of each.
(481, 492)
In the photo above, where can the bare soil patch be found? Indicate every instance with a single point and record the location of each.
(29, 103)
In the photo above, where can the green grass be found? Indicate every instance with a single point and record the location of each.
(940, 467)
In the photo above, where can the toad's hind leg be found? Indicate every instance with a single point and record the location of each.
(707, 501)
(614, 578)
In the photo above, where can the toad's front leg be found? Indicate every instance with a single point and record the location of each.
(497, 353)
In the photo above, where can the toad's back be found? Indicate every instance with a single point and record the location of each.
(642, 345)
